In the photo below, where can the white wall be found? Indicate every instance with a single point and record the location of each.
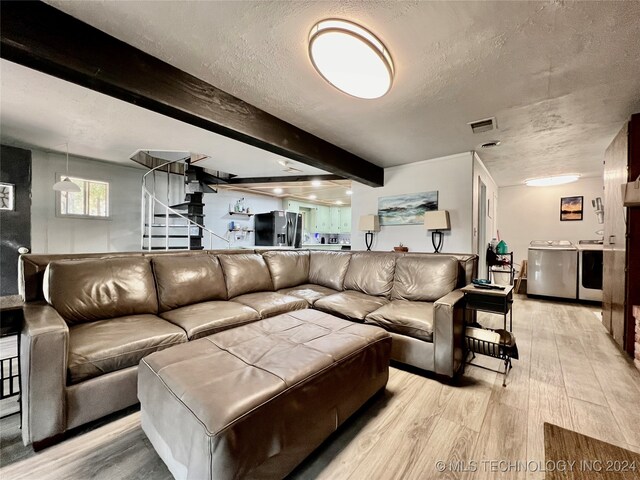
(121, 232)
(533, 213)
(450, 176)
(217, 218)
(52, 234)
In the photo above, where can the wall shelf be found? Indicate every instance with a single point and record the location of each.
(242, 214)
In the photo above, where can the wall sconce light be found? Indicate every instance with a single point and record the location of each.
(369, 224)
(437, 221)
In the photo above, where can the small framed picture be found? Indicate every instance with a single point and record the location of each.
(7, 201)
(570, 209)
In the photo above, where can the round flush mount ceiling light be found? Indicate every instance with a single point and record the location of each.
(550, 181)
(351, 58)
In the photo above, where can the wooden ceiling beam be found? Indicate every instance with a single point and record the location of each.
(41, 37)
(283, 179)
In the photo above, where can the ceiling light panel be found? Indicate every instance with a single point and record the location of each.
(551, 181)
(351, 58)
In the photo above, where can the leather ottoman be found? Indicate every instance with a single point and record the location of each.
(254, 401)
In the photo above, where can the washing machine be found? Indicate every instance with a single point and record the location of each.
(552, 269)
(590, 270)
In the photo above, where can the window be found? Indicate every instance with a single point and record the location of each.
(91, 201)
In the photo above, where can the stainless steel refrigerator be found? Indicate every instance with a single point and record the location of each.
(278, 229)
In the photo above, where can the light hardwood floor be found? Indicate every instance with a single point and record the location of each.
(569, 373)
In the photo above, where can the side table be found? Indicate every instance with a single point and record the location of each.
(496, 344)
(491, 301)
(11, 320)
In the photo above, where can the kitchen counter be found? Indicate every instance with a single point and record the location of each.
(326, 246)
(306, 246)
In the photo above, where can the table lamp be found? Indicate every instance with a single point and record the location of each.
(437, 221)
(369, 224)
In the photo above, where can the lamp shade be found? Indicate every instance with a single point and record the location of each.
(66, 185)
(369, 223)
(437, 220)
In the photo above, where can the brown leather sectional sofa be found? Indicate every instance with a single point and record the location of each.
(90, 319)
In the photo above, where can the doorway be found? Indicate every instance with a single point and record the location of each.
(482, 229)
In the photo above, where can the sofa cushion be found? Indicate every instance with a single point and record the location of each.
(268, 304)
(245, 273)
(371, 273)
(101, 288)
(414, 319)
(105, 346)
(188, 279)
(309, 292)
(328, 268)
(424, 278)
(287, 269)
(467, 267)
(350, 304)
(202, 319)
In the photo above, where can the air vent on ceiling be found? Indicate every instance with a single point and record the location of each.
(485, 125)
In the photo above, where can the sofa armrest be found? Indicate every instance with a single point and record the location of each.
(448, 332)
(44, 346)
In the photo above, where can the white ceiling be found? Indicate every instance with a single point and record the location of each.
(329, 192)
(37, 110)
(560, 77)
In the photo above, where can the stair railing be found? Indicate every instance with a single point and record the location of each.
(148, 209)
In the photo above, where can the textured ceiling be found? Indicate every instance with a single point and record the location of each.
(560, 77)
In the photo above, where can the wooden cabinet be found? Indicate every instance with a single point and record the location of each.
(345, 220)
(322, 219)
(334, 216)
(621, 248)
(292, 206)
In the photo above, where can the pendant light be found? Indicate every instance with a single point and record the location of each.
(66, 185)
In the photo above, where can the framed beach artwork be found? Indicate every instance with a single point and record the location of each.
(406, 209)
(570, 208)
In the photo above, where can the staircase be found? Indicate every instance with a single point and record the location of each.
(179, 226)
